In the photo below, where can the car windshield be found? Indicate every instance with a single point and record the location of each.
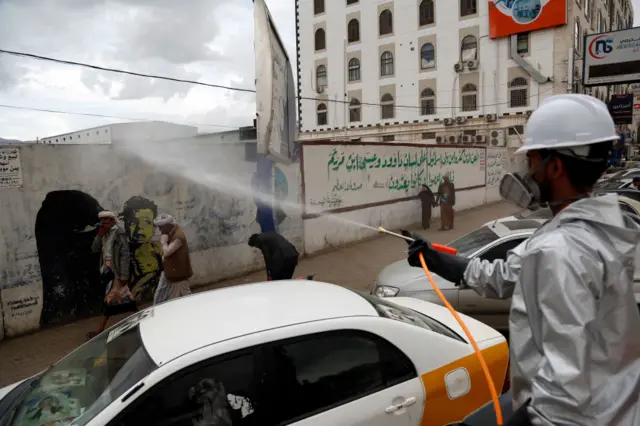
(85, 382)
(613, 184)
(542, 213)
(473, 241)
(393, 311)
(618, 175)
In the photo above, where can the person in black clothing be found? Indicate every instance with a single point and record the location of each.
(280, 256)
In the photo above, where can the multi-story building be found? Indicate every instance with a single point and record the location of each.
(411, 70)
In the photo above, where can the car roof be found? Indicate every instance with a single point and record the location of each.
(513, 227)
(182, 325)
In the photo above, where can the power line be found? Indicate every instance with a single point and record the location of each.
(88, 114)
(237, 89)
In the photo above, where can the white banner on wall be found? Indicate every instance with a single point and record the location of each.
(497, 166)
(10, 168)
(342, 176)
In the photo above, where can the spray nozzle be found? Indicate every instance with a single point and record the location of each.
(438, 247)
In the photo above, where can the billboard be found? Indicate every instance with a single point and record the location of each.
(508, 17)
(275, 92)
(612, 58)
(621, 108)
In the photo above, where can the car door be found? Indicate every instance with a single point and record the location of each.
(345, 377)
(472, 303)
(227, 390)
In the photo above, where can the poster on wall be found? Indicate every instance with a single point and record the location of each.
(10, 168)
(497, 166)
(464, 166)
(509, 17)
(339, 176)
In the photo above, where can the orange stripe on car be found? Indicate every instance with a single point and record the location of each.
(440, 409)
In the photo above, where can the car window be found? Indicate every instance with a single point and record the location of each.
(468, 244)
(500, 251)
(221, 392)
(322, 371)
(627, 208)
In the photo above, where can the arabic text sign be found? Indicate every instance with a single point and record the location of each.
(10, 168)
(497, 165)
(338, 176)
(612, 58)
(464, 166)
(508, 17)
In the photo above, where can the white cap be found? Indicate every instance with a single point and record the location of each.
(164, 219)
(107, 214)
(569, 121)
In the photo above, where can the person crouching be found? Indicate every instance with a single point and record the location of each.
(174, 280)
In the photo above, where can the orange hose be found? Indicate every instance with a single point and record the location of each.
(444, 249)
(483, 364)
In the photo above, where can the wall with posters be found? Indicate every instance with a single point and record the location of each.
(377, 184)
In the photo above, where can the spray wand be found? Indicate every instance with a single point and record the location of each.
(483, 364)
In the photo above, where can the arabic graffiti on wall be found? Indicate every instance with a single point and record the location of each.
(497, 166)
(10, 168)
(464, 166)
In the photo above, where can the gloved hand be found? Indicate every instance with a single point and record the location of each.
(520, 416)
(448, 266)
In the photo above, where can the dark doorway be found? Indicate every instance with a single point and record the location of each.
(65, 227)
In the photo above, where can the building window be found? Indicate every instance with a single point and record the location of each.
(469, 97)
(354, 110)
(318, 7)
(469, 49)
(518, 93)
(576, 35)
(387, 107)
(321, 77)
(427, 16)
(427, 56)
(599, 26)
(353, 31)
(468, 7)
(427, 102)
(351, 2)
(322, 115)
(321, 43)
(388, 138)
(587, 9)
(386, 22)
(429, 135)
(386, 64)
(523, 43)
(354, 69)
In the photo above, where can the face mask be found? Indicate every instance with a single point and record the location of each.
(524, 191)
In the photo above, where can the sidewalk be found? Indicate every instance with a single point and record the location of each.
(355, 266)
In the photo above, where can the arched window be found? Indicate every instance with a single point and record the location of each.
(321, 42)
(318, 7)
(353, 31)
(426, 12)
(321, 77)
(321, 112)
(518, 93)
(587, 9)
(386, 63)
(427, 102)
(576, 35)
(427, 56)
(354, 110)
(469, 94)
(354, 69)
(386, 22)
(469, 49)
(387, 108)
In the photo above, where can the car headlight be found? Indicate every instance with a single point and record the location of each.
(385, 291)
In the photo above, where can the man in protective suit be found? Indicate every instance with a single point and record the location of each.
(574, 324)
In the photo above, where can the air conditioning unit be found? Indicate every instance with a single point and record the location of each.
(440, 139)
(453, 139)
(448, 121)
(467, 139)
(480, 139)
(491, 117)
(459, 67)
(472, 64)
(461, 120)
(528, 114)
(497, 138)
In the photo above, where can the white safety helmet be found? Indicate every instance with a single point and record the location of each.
(569, 124)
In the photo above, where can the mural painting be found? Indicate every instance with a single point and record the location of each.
(146, 254)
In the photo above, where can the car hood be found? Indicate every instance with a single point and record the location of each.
(410, 279)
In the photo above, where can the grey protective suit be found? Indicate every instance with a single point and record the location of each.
(574, 324)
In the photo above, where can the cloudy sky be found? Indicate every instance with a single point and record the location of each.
(205, 40)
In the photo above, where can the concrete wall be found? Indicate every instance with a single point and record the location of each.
(47, 272)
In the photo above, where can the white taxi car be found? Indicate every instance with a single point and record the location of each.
(285, 352)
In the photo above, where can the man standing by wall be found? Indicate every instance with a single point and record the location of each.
(174, 281)
(446, 199)
(280, 256)
(427, 201)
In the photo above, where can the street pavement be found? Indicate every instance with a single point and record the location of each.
(355, 266)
